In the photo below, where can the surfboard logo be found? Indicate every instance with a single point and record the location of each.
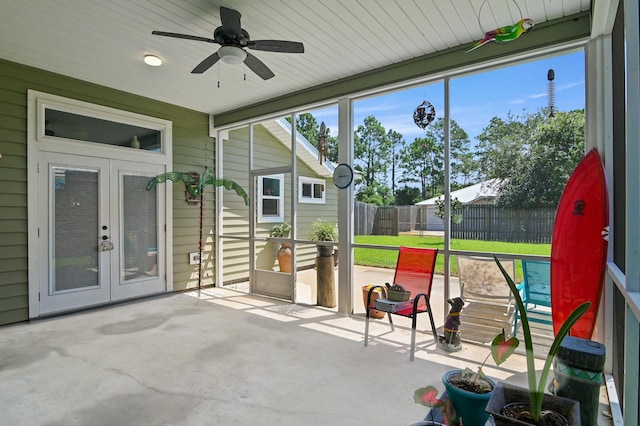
(578, 207)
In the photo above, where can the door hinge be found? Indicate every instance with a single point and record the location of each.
(38, 296)
(37, 167)
(38, 232)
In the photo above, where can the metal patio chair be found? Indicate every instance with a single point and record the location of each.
(489, 305)
(536, 292)
(414, 272)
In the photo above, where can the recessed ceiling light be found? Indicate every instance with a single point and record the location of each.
(152, 60)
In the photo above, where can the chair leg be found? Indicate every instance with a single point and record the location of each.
(366, 328)
(413, 338)
(366, 324)
(414, 321)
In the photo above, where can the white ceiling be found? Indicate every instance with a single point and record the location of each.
(104, 42)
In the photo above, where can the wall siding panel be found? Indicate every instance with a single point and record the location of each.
(268, 152)
(193, 149)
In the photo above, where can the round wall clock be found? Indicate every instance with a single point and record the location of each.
(343, 175)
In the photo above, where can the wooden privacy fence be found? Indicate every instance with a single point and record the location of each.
(364, 216)
(373, 220)
(488, 222)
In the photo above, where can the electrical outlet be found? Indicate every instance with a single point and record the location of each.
(194, 258)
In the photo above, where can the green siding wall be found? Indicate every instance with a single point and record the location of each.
(268, 152)
(192, 148)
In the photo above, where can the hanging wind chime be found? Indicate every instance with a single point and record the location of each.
(424, 114)
(551, 92)
(323, 143)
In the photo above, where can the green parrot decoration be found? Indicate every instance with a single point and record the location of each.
(506, 33)
(195, 186)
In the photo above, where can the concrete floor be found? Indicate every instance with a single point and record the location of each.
(221, 357)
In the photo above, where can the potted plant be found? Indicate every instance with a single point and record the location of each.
(323, 230)
(528, 404)
(284, 252)
(468, 391)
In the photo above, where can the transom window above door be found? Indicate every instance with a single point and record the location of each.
(68, 125)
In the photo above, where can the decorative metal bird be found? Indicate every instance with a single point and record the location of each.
(506, 33)
(195, 186)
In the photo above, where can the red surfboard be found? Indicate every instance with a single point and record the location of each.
(579, 245)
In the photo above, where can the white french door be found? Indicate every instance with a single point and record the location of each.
(101, 234)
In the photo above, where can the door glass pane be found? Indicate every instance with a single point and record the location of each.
(140, 229)
(75, 229)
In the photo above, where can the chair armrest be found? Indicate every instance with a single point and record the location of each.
(521, 290)
(372, 289)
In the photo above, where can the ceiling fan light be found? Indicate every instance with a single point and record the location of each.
(232, 55)
(152, 60)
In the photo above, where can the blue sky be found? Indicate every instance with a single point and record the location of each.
(477, 98)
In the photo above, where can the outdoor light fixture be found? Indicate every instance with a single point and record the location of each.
(152, 60)
(232, 55)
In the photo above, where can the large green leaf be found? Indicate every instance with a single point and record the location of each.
(502, 348)
(195, 187)
(208, 178)
(187, 178)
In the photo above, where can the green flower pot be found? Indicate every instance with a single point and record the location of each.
(470, 406)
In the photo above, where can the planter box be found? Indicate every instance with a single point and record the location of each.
(505, 393)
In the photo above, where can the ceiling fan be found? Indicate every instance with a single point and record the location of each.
(233, 40)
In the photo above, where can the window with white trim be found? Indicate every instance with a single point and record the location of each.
(271, 198)
(311, 190)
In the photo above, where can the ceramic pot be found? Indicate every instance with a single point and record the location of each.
(373, 313)
(284, 257)
(470, 406)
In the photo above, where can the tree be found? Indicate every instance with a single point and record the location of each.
(372, 151)
(534, 156)
(424, 158)
(377, 194)
(408, 195)
(308, 127)
(423, 164)
(502, 143)
(461, 158)
(455, 205)
(396, 142)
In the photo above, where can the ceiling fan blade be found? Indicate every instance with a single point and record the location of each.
(258, 67)
(185, 36)
(230, 22)
(276, 46)
(207, 63)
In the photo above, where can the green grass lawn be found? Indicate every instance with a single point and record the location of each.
(387, 258)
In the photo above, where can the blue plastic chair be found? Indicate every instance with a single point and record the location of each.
(537, 292)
